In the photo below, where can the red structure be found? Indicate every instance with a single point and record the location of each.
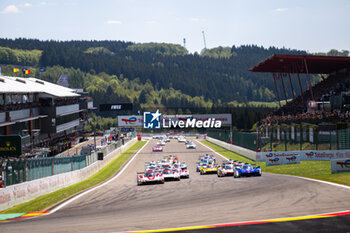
(284, 67)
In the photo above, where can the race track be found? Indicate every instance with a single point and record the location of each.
(201, 200)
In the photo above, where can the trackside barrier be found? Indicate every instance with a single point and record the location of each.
(292, 158)
(22, 170)
(237, 149)
(316, 155)
(340, 165)
(26, 191)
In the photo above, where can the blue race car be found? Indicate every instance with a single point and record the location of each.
(247, 170)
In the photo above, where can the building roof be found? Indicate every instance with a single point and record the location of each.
(279, 63)
(33, 85)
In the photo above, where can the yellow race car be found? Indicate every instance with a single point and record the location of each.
(209, 168)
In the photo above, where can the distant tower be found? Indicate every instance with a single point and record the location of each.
(184, 42)
(205, 44)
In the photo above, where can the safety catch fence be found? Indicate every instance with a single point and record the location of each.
(21, 170)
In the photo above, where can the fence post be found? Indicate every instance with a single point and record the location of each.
(316, 137)
(53, 166)
(72, 163)
(25, 170)
(285, 138)
(301, 136)
(337, 137)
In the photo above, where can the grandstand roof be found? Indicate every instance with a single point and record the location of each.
(279, 63)
(15, 85)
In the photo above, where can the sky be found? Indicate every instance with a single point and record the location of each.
(311, 25)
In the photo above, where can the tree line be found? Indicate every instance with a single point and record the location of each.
(216, 74)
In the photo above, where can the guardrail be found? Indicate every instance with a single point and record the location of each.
(26, 191)
(236, 149)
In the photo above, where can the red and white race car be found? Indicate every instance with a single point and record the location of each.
(165, 163)
(149, 177)
(172, 159)
(157, 148)
(185, 173)
(169, 174)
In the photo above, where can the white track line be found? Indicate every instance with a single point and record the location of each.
(213, 150)
(93, 189)
(300, 177)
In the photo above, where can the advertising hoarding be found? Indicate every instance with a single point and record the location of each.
(130, 121)
(115, 107)
(10, 146)
(340, 165)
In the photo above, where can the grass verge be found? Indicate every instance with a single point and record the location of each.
(320, 170)
(45, 201)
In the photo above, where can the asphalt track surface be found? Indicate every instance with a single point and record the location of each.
(121, 205)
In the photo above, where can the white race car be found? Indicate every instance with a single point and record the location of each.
(165, 163)
(169, 174)
(191, 145)
(226, 170)
(149, 177)
(161, 143)
(185, 173)
(177, 170)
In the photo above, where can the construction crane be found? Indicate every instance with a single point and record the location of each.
(205, 44)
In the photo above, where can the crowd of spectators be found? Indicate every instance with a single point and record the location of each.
(297, 110)
(308, 117)
(322, 91)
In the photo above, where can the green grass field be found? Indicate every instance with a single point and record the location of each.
(320, 170)
(45, 201)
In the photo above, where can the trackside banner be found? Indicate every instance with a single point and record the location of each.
(130, 121)
(324, 154)
(316, 155)
(340, 165)
(277, 158)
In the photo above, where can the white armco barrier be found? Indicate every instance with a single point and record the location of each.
(23, 192)
(340, 165)
(237, 149)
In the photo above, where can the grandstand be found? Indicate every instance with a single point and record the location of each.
(43, 114)
(320, 115)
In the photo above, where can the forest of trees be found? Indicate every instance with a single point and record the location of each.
(154, 75)
(217, 74)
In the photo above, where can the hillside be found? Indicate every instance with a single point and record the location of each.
(217, 75)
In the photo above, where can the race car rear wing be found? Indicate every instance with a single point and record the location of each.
(139, 173)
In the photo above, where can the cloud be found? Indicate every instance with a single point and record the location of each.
(151, 22)
(195, 19)
(11, 9)
(114, 22)
(27, 5)
(280, 9)
(47, 4)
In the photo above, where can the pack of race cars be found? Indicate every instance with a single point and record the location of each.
(166, 169)
(169, 168)
(207, 164)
